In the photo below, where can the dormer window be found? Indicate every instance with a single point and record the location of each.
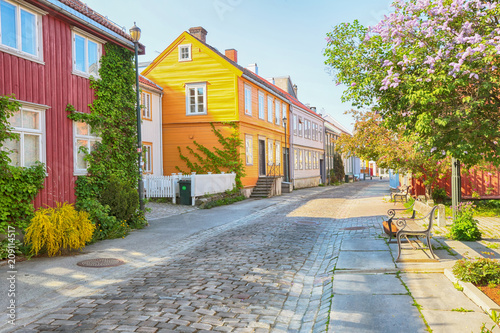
(185, 52)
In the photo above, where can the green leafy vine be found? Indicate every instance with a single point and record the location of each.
(225, 159)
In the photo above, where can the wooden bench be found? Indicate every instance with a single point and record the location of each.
(403, 193)
(389, 227)
(407, 228)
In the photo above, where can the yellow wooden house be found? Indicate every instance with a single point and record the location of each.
(203, 86)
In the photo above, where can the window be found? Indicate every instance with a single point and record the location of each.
(270, 109)
(314, 128)
(309, 160)
(85, 141)
(147, 157)
(249, 149)
(261, 105)
(301, 165)
(146, 105)
(296, 159)
(269, 152)
(86, 54)
(196, 98)
(307, 129)
(294, 124)
(283, 112)
(20, 30)
(30, 125)
(248, 100)
(277, 111)
(278, 153)
(185, 52)
(320, 134)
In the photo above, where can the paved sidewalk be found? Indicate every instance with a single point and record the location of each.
(313, 260)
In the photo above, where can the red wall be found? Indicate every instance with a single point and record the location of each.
(478, 180)
(54, 85)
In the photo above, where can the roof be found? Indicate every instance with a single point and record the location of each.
(332, 121)
(85, 10)
(296, 102)
(246, 71)
(147, 82)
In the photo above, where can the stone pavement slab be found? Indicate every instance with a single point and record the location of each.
(366, 313)
(454, 322)
(368, 284)
(366, 260)
(364, 245)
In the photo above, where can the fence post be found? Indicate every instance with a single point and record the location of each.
(193, 181)
(172, 184)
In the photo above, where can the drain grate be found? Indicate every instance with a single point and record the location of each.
(101, 262)
(355, 228)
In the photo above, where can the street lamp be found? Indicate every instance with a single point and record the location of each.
(135, 33)
(285, 169)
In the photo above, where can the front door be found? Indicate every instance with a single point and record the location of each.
(262, 157)
(286, 162)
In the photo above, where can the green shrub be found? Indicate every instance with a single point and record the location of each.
(222, 202)
(106, 226)
(439, 194)
(464, 227)
(122, 199)
(479, 272)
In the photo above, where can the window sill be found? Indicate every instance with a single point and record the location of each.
(84, 75)
(196, 114)
(22, 55)
(80, 173)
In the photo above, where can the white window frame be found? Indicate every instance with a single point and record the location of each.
(147, 157)
(17, 51)
(320, 133)
(270, 153)
(301, 159)
(248, 100)
(87, 37)
(248, 149)
(261, 105)
(40, 132)
(296, 158)
(277, 110)
(283, 111)
(90, 138)
(278, 152)
(146, 98)
(270, 107)
(188, 47)
(294, 124)
(301, 126)
(196, 86)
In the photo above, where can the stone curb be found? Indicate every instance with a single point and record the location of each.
(476, 295)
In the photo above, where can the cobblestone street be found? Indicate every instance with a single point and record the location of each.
(270, 272)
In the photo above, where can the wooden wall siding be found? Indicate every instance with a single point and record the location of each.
(182, 135)
(478, 180)
(172, 75)
(51, 84)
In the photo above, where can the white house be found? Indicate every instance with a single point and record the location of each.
(151, 129)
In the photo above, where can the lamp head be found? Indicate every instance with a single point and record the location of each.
(135, 33)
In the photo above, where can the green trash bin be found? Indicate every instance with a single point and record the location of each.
(185, 191)
(347, 178)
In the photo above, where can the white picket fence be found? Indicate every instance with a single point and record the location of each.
(168, 186)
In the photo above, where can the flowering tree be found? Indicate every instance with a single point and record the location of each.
(431, 68)
(372, 141)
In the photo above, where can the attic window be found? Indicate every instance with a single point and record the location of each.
(185, 52)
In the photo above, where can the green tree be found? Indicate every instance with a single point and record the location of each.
(431, 68)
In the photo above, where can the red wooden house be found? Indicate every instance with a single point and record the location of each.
(48, 51)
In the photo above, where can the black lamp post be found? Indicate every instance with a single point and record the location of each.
(285, 168)
(135, 33)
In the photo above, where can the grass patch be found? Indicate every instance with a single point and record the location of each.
(461, 310)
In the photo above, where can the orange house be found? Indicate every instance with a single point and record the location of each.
(203, 86)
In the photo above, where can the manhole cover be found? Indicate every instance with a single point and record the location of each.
(307, 222)
(101, 262)
(355, 228)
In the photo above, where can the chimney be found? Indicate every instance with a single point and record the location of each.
(199, 33)
(253, 68)
(232, 54)
(313, 108)
(295, 90)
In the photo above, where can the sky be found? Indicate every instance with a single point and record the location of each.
(283, 37)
